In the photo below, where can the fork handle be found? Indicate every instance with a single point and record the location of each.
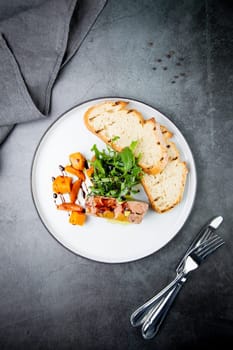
(159, 312)
(139, 315)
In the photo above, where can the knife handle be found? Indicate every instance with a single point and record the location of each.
(159, 312)
(138, 316)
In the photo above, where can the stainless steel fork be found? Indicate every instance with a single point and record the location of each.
(193, 260)
(138, 316)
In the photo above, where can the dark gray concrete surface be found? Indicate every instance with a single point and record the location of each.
(52, 299)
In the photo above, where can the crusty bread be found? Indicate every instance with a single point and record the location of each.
(165, 190)
(166, 133)
(172, 150)
(110, 119)
(165, 174)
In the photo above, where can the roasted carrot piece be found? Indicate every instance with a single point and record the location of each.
(73, 171)
(70, 207)
(74, 190)
(62, 184)
(77, 160)
(77, 218)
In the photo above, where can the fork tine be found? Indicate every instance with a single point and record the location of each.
(211, 242)
(212, 226)
(211, 245)
(212, 248)
(205, 244)
(206, 235)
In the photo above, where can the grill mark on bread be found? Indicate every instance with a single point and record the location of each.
(92, 118)
(167, 208)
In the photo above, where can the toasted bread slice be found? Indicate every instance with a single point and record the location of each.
(110, 119)
(165, 190)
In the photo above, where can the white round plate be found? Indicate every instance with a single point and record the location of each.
(100, 239)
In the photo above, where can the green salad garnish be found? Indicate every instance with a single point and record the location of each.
(115, 173)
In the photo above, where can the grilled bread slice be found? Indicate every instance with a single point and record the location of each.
(118, 126)
(165, 190)
(164, 180)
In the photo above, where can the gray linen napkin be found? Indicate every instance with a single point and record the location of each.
(37, 38)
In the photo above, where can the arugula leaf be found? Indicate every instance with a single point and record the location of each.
(115, 173)
(133, 145)
(127, 158)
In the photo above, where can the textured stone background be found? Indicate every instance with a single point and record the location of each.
(52, 299)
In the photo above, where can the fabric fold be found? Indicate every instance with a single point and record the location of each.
(85, 14)
(35, 43)
(15, 101)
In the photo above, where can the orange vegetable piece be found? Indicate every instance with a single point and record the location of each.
(90, 171)
(70, 207)
(75, 189)
(76, 172)
(62, 184)
(77, 160)
(77, 218)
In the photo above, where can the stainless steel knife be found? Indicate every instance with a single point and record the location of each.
(194, 259)
(138, 316)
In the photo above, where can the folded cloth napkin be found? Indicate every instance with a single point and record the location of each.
(37, 38)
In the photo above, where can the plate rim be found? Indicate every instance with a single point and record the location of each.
(33, 162)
